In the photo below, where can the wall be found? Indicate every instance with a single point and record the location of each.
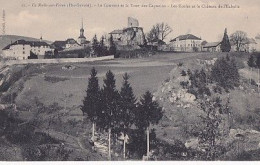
(58, 60)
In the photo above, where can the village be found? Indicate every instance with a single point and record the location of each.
(133, 93)
(130, 38)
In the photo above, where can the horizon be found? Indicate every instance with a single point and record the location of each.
(61, 23)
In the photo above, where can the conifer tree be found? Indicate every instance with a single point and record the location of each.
(225, 44)
(128, 105)
(91, 103)
(95, 46)
(109, 117)
(148, 112)
(112, 46)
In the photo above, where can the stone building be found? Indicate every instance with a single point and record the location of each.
(132, 35)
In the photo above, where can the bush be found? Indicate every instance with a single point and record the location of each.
(183, 73)
(225, 73)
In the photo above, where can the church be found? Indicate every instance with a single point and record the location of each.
(72, 44)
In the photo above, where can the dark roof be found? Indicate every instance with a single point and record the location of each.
(160, 42)
(23, 42)
(186, 37)
(71, 41)
(59, 44)
(211, 44)
(204, 42)
(116, 32)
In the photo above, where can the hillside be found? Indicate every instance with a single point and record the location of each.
(7, 39)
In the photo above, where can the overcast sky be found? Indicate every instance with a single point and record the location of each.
(60, 23)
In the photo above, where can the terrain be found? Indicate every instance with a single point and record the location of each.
(49, 97)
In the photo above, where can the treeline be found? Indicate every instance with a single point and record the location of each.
(98, 48)
(118, 112)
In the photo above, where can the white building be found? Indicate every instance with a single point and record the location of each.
(186, 43)
(22, 49)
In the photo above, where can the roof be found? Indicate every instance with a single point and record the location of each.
(211, 44)
(186, 37)
(251, 41)
(71, 41)
(59, 44)
(116, 32)
(23, 42)
(160, 42)
(204, 42)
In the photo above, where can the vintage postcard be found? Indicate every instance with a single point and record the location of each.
(121, 80)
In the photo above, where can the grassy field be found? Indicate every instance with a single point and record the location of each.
(61, 91)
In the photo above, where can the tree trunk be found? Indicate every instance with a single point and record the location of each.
(124, 146)
(147, 130)
(109, 144)
(258, 85)
(93, 131)
(124, 143)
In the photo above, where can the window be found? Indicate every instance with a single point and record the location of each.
(23, 52)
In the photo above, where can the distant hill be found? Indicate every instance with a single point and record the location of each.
(7, 39)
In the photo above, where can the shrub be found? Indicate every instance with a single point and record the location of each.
(225, 73)
(183, 73)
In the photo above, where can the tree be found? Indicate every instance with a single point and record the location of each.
(91, 103)
(112, 46)
(128, 105)
(109, 118)
(225, 44)
(211, 120)
(225, 73)
(102, 48)
(148, 112)
(159, 31)
(95, 46)
(239, 38)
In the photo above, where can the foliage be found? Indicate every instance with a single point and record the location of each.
(238, 38)
(159, 31)
(95, 46)
(198, 83)
(225, 44)
(92, 101)
(148, 112)
(225, 73)
(110, 105)
(210, 132)
(112, 46)
(127, 104)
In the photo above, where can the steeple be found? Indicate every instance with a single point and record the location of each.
(82, 38)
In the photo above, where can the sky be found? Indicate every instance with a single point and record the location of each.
(61, 22)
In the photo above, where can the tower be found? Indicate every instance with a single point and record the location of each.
(81, 38)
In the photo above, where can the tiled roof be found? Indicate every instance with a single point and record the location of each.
(23, 42)
(186, 37)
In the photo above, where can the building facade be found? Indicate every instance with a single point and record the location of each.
(22, 49)
(249, 46)
(186, 43)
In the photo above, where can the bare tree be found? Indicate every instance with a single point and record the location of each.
(159, 31)
(239, 38)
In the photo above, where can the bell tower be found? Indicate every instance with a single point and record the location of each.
(82, 38)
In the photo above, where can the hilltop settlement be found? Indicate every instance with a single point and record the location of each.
(127, 39)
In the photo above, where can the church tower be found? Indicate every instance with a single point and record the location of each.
(82, 38)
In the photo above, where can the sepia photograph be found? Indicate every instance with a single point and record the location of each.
(129, 80)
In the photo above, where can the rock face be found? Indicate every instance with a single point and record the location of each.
(173, 92)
